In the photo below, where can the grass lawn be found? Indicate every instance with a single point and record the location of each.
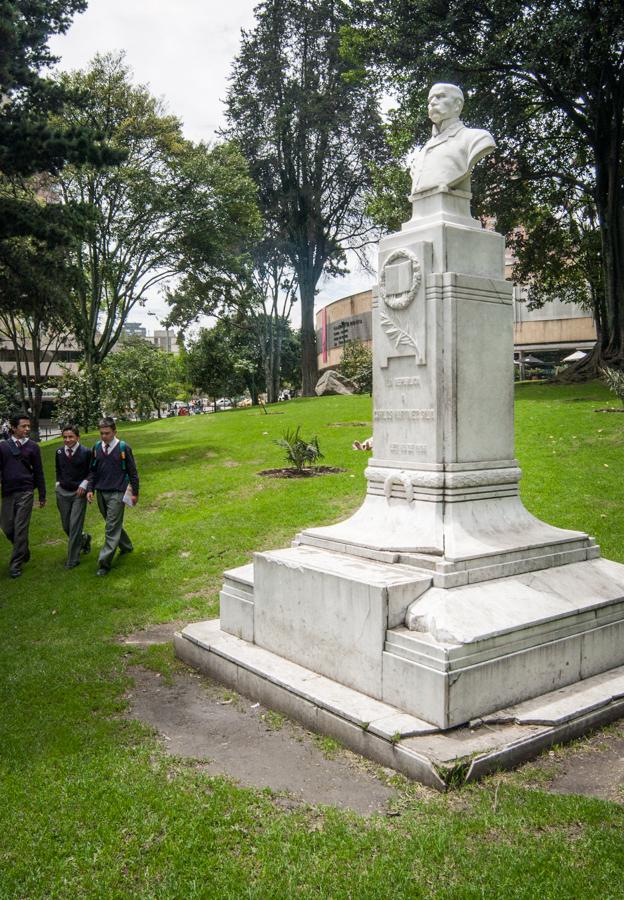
(91, 806)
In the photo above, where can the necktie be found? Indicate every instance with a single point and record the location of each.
(106, 448)
(70, 452)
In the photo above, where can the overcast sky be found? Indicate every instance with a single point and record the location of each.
(183, 51)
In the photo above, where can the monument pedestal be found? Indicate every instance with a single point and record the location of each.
(442, 600)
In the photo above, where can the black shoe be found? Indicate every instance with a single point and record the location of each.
(123, 551)
(86, 543)
(102, 572)
(71, 565)
(15, 573)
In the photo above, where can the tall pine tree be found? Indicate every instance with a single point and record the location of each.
(309, 135)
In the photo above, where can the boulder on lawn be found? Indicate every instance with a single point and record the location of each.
(332, 382)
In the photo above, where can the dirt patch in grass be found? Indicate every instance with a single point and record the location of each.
(206, 593)
(300, 473)
(153, 634)
(592, 766)
(594, 772)
(235, 736)
(231, 735)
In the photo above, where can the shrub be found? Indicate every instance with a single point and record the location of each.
(299, 451)
(357, 365)
(614, 379)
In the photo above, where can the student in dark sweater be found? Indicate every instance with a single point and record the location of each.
(113, 474)
(73, 462)
(21, 472)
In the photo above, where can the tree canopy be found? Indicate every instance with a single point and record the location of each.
(546, 78)
(139, 379)
(30, 145)
(169, 207)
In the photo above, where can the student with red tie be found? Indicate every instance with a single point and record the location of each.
(73, 462)
(21, 472)
(113, 474)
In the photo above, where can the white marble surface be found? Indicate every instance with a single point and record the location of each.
(453, 150)
(481, 611)
(330, 612)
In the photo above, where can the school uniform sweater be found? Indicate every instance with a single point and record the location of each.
(72, 471)
(22, 471)
(107, 474)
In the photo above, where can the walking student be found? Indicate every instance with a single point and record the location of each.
(113, 475)
(73, 462)
(21, 472)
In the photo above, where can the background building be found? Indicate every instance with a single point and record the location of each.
(54, 364)
(344, 320)
(134, 329)
(164, 338)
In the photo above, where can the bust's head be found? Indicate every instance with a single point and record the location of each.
(446, 101)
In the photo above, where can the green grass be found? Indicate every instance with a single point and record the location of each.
(90, 804)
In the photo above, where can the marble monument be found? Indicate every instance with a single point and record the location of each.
(442, 600)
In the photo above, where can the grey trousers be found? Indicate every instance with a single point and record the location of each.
(112, 508)
(72, 509)
(14, 521)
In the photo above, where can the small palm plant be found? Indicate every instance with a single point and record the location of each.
(299, 451)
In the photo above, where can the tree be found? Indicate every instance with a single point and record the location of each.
(274, 295)
(290, 362)
(152, 212)
(29, 144)
(558, 64)
(139, 378)
(9, 395)
(309, 135)
(220, 362)
(35, 278)
(78, 400)
(259, 297)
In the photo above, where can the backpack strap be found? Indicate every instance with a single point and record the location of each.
(16, 452)
(122, 453)
(94, 451)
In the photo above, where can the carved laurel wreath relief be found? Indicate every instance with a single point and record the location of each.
(398, 335)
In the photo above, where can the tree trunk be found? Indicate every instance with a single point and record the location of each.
(608, 196)
(309, 364)
(35, 391)
(268, 345)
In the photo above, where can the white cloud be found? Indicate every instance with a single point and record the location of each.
(183, 52)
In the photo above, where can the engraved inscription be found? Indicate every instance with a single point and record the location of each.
(396, 415)
(407, 381)
(408, 449)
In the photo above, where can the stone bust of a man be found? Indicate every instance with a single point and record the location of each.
(448, 158)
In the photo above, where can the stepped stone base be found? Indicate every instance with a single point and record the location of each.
(389, 736)
(442, 599)
(443, 654)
